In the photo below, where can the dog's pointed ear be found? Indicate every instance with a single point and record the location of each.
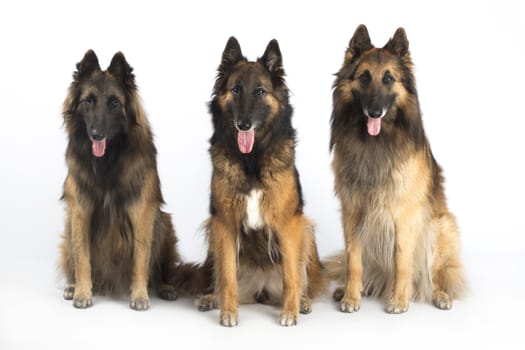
(272, 58)
(87, 65)
(398, 44)
(120, 69)
(231, 55)
(359, 43)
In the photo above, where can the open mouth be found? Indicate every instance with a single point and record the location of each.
(245, 140)
(98, 147)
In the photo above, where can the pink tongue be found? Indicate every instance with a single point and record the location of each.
(374, 126)
(98, 147)
(245, 140)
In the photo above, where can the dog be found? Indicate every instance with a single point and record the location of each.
(401, 241)
(261, 246)
(116, 237)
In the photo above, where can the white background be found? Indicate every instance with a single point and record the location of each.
(469, 70)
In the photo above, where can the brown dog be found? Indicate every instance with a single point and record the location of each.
(261, 246)
(402, 243)
(116, 237)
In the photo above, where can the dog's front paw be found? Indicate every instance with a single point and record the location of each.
(139, 304)
(442, 300)
(82, 302)
(349, 304)
(288, 319)
(82, 296)
(397, 306)
(228, 319)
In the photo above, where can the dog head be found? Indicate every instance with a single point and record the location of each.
(377, 81)
(249, 94)
(97, 106)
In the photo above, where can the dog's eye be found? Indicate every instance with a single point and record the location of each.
(365, 78)
(236, 90)
(114, 103)
(90, 100)
(259, 92)
(388, 78)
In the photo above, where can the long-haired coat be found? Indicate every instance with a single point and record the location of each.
(116, 238)
(401, 241)
(261, 245)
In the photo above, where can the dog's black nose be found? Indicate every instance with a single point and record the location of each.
(244, 125)
(375, 112)
(97, 135)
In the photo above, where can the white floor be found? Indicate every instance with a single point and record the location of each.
(34, 316)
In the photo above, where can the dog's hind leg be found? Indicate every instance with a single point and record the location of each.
(315, 280)
(167, 292)
(164, 275)
(305, 305)
(207, 302)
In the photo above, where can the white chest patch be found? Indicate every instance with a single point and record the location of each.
(253, 218)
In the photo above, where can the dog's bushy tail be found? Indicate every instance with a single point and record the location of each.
(192, 279)
(334, 267)
(188, 279)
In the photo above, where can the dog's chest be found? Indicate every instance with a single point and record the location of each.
(253, 218)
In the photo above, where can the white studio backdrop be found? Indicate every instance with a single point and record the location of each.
(468, 63)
